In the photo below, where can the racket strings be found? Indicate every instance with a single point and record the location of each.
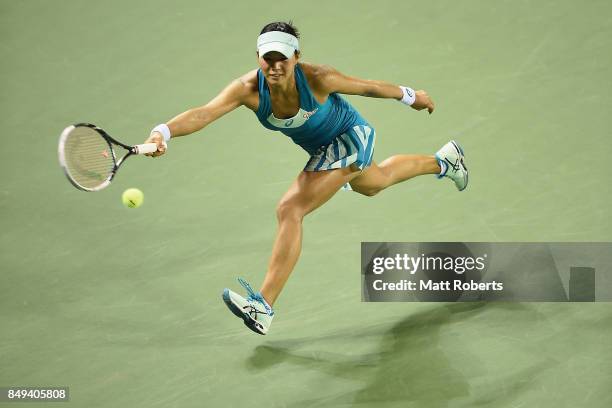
(89, 157)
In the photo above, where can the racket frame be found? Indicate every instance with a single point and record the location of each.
(116, 162)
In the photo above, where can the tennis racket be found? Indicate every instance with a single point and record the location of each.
(89, 157)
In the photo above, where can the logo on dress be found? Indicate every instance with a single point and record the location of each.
(298, 120)
(307, 115)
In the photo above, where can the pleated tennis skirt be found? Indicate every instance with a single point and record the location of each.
(355, 146)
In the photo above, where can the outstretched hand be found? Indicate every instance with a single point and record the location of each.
(423, 101)
(158, 139)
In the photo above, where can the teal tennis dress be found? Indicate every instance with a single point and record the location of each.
(334, 133)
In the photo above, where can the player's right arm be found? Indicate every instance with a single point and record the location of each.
(234, 95)
(196, 119)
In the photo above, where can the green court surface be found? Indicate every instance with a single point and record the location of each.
(124, 306)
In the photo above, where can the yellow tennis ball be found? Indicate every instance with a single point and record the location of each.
(132, 198)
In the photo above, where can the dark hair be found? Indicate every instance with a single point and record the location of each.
(285, 27)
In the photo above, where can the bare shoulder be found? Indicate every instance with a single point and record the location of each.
(316, 72)
(318, 75)
(249, 89)
(248, 81)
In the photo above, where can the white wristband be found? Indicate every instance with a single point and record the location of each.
(164, 130)
(409, 95)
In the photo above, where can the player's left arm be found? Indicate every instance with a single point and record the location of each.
(331, 80)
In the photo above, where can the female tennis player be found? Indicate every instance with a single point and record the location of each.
(302, 101)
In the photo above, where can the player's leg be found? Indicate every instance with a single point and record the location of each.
(310, 190)
(393, 170)
(449, 162)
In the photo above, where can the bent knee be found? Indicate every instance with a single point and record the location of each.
(367, 191)
(289, 211)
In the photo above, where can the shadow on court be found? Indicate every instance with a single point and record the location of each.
(410, 367)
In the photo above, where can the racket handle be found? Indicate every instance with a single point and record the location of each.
(145, 148)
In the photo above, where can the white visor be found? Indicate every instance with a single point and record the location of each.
(279, 41)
